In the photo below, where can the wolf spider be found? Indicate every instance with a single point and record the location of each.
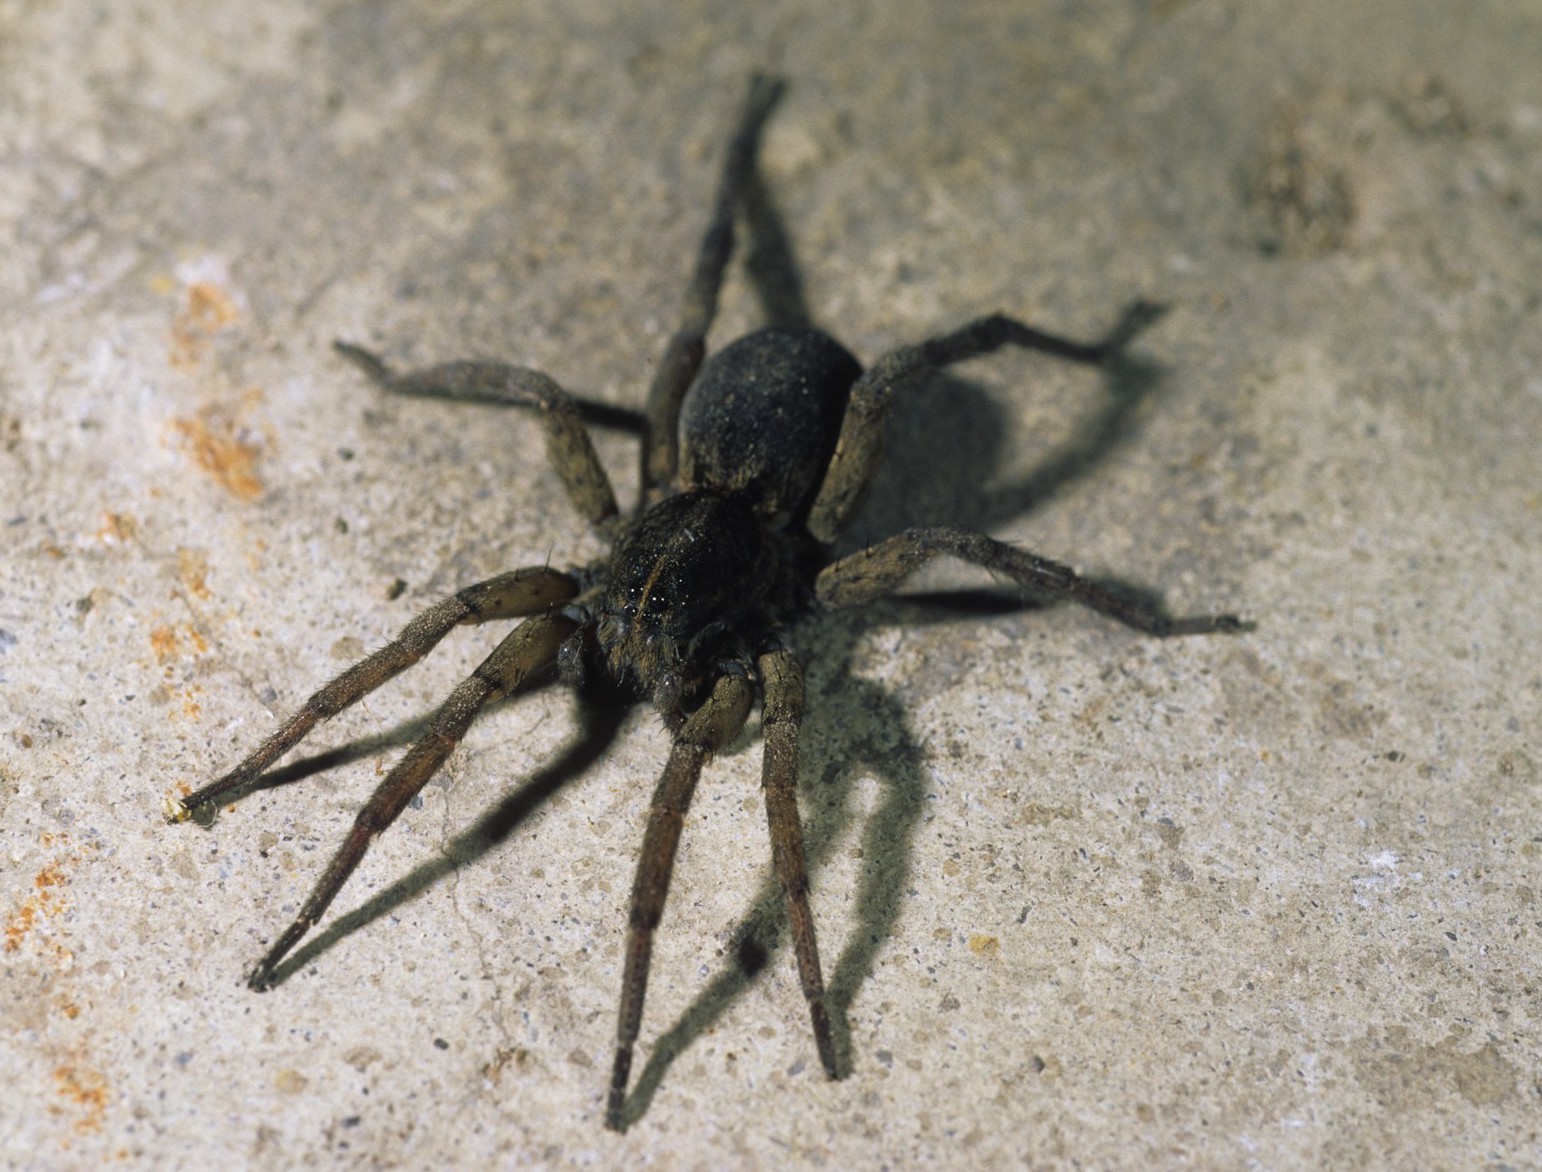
(752, 463)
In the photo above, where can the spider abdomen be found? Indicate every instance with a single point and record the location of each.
(763, 416)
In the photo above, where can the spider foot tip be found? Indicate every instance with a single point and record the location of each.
(175, 810)
(615, 1114)
(1231, 624)
(366, 360)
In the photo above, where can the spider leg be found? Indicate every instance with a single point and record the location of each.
(705, 731)
(862, 577)
(860, 446)
(512, 595)
(526, 649)
(782, 679)
(568, 446)
(682, 357)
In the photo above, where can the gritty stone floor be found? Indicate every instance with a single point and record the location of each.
(1084, 897)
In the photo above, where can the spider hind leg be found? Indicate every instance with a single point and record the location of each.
(568, 446)
(875, 571)
(859, 449)
(687, 345)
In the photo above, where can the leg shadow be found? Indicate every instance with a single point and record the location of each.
(600, 719)
(853, 729)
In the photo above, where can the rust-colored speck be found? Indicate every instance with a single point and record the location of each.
(163, 641)
(193, 571)
(206, 310)
(46, 900)
(226, 451)
(117, 528)
(983, 945)
(19, 924)
(85, 1089)
(168, 642)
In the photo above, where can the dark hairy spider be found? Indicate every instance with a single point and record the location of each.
(752, 463)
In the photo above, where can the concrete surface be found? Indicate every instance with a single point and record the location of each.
(1084, 897)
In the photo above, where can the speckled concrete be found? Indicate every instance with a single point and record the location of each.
(1083, 896)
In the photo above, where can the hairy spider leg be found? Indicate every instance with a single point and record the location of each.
(873, 572)
(687, 345)
(705, 731)
(524, 651)
(513, 595)
(568, 445)
(859, 449)
(782, 683)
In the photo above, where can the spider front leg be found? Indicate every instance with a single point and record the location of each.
(704, 732)
(523, 652)
(874, 572)
(782, 680)
(568, 446)
(860, 446)
(508, 596)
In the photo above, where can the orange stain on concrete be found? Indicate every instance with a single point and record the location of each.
(117, 528)
(168, 641)
(206, 310)
(45, 901)
(224, 450)
(983, 945)
(163, 641)
(193, 571)
(85, 1091)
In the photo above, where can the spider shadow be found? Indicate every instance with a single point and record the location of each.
(855, 728)
(399, 736)
(775, 276)
(951, 414)
(601, 715)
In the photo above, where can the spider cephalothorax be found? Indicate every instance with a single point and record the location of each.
(700, 576)
(752, 464)
(684, 580)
